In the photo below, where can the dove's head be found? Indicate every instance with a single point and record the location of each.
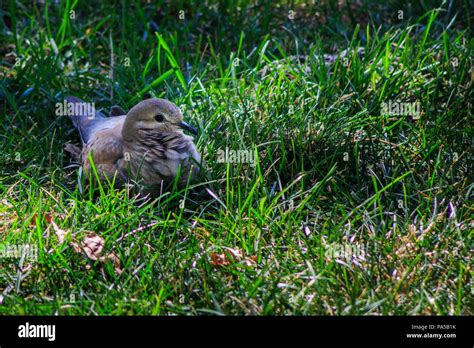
(155, 115)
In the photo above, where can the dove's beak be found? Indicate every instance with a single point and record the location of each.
(187, 127)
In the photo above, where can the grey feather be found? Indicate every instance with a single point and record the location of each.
(85, 124)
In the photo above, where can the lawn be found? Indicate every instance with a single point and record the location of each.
(337, 143)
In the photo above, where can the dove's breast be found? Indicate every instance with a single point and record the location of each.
(157, 157)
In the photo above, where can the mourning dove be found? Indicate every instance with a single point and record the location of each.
(146, 145)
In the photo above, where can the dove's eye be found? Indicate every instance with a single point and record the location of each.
(159, 118)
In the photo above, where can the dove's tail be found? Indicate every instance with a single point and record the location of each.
(83, 116)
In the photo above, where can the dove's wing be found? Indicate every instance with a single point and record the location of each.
(105, 147)
(82, 120)
(101, 137)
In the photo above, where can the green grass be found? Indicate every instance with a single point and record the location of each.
(332, 167)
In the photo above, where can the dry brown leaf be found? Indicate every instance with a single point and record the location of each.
(112, 257)
(93, 246)
(59, 232)
(234, 255)
(47, 218)
(76, 247)
(218, 259)
(251, 261)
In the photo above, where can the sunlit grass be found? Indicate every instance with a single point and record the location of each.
(331, 167)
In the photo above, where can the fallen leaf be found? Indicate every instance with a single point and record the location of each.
(93, 246)
(76, 247)
(218, 259)
(234, 255)
(112, 257)
(59, 232)
(251, 261)
(47, 218)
